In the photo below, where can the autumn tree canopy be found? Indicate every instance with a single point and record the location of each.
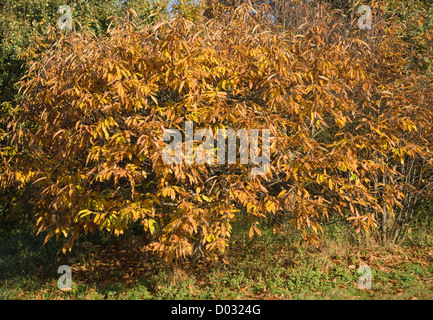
(350, 121)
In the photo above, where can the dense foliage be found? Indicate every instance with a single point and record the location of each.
(350, 118)
(26, 22)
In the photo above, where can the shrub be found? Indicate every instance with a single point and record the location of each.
(350, 126)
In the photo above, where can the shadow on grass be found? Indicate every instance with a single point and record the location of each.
(267, 267)
(101, 267)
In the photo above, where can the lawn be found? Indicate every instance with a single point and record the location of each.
(266, 267)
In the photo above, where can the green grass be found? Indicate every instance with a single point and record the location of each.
(267, 267)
